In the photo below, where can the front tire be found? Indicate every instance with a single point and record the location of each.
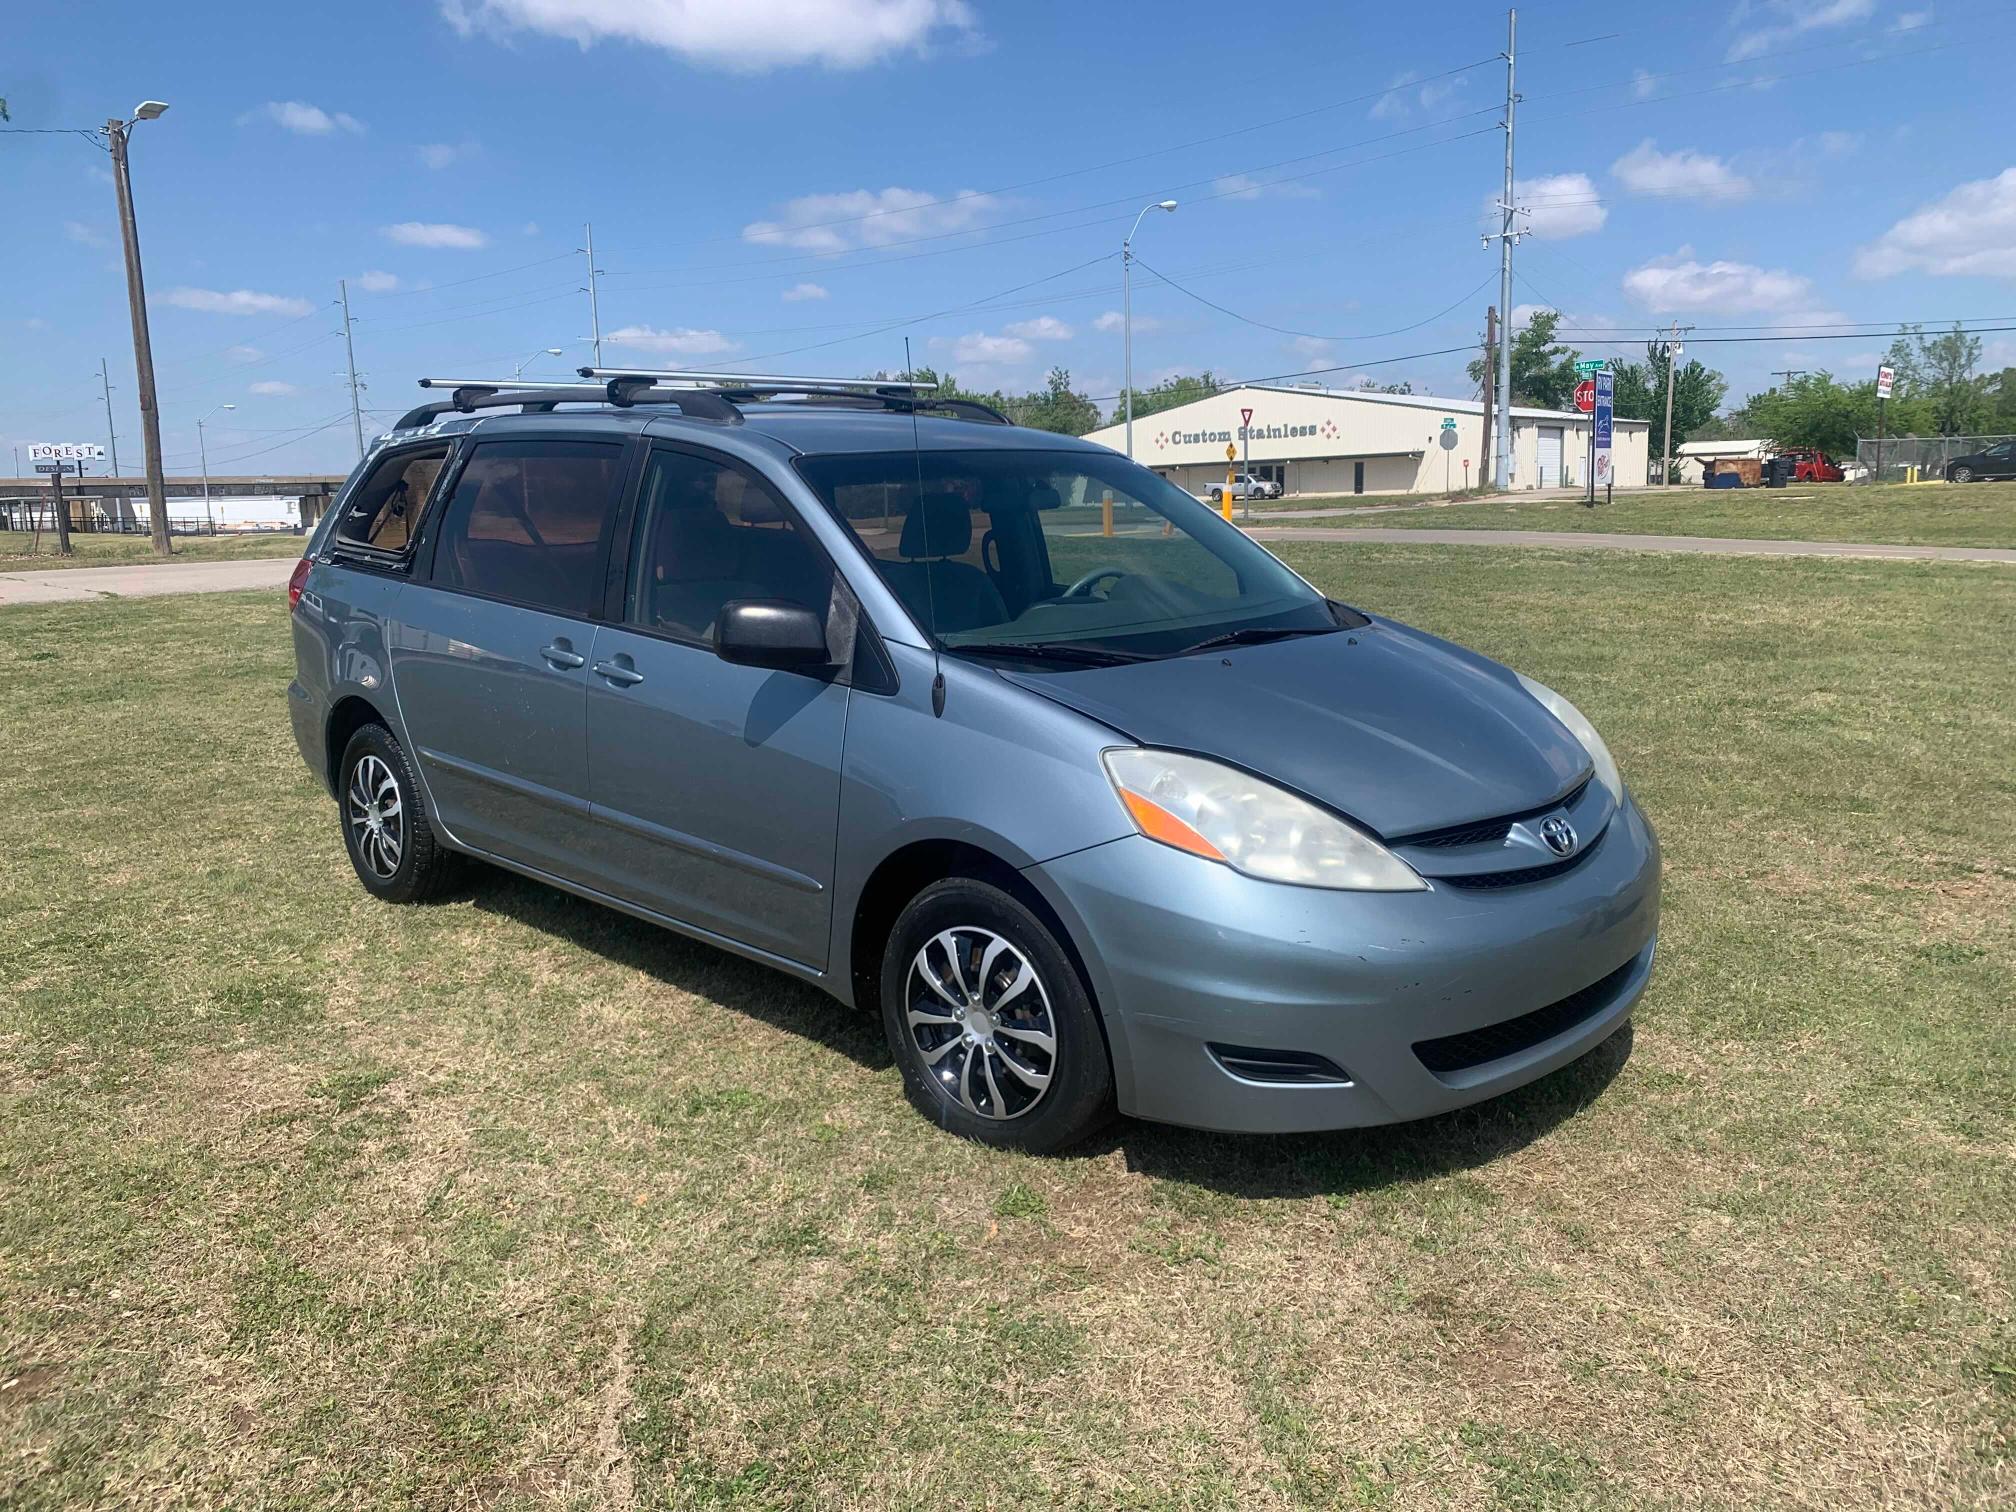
(386, 827)
(990, 1024)
(1961, 475)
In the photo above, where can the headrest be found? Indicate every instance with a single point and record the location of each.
(940, 526)
(1043, 496)
(758, 508)
(694, 543)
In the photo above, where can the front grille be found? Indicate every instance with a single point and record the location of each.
(1487, 831)
(1474, 1047)
(1486, 881)
(1293, 1067)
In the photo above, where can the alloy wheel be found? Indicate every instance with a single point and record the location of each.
(980, 1017)
(376, 816)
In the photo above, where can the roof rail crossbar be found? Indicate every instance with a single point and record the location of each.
(467, 395)
(762, 382)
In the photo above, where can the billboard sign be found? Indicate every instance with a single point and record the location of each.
(64, 451)
(1885, 377)
(1606, 403)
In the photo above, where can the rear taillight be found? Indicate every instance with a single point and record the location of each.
(295, 580)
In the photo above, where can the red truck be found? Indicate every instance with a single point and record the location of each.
(1812, 465)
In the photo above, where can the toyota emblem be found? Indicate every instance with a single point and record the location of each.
(1559, 835)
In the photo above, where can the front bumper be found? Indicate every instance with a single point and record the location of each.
(1186, 953)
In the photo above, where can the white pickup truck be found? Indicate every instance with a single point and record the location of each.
(1244, 486)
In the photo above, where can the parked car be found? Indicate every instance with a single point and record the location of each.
(1135, 820)
(1811, 465)
(1997, 461)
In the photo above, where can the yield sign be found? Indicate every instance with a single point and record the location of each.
(1246, 417)
(1585, 395)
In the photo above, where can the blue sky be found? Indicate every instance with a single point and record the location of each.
(790, 185)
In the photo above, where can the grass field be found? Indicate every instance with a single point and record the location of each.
(509, 1201)
(19, 553)
(1979, 514)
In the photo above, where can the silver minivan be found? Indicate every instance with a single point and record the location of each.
(987, 730)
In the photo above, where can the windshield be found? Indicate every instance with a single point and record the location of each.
(1063, 548)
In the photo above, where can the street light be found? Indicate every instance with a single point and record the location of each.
(519, 370)
(203, 452)
(1127, 311)
(115, 133)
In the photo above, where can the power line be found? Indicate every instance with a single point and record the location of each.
(1317, 335)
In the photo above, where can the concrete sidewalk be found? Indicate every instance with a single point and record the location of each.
(1579, 540)
(142, 580)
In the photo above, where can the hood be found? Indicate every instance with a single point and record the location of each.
(1397, 730)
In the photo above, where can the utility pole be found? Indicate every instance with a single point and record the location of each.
(594, 307)
(62, 520)
(112, 437)
(1666, 457)
(1788, 374)
(1490, 388)
(349, 352)
(143, 345)
(1502, 475)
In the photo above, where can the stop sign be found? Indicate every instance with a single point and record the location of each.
(1585, 395)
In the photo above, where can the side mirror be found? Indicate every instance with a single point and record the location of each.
(771, 633)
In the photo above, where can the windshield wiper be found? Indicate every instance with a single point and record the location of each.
(1055, 651)
(1259, 635)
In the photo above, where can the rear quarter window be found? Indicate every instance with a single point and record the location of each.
(385, 511)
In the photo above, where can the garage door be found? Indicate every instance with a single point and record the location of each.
(1550, 456)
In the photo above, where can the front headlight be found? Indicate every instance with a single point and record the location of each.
(1582, 730)
(1223, 814)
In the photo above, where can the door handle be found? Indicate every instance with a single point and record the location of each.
(618, 673)
(561, 655)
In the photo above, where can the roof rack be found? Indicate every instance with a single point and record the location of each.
(697, 395)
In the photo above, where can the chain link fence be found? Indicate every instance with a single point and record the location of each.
(1930, 455)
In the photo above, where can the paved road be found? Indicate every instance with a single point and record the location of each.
(142, 580)
(1594, 540)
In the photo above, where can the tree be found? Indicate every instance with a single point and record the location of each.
(1814, 410)
(1543, 373)
(2001, 402)
(1056, 407)
(1170, 392)
(1641, 395)
(1957, 396)
(1367, 386)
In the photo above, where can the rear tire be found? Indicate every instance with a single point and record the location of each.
(991, 1026)
(386, 828)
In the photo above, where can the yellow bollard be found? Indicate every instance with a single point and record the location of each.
(1225, 503)
(1106, 514)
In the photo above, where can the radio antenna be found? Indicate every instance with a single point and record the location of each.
(924, 531)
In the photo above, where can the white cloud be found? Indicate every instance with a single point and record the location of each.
(236, 302)
(1559, 205)
(1314, 348)
(300, 117)
(1042, 328)
(377, 282)
(1244, 186)
(978, 349)
(1113, 320)
(1786, 20)
(868, 218)
(84, 235)
(272, 388)
(1401, 97)
(1912, 20)
(1968, 231)
(530, 228)
(440, 155)
(243, 353)
(803, 291)
(1643, 84)
(679, 341)
(436, 234)
(1681, 283)
(745, 36)
(1685, 174)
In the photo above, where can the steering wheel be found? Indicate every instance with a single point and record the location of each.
(1084, 586)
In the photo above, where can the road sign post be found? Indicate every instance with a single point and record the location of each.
(1886, 377)
(1585, 401)
(1246, 444)
(1447, 440)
